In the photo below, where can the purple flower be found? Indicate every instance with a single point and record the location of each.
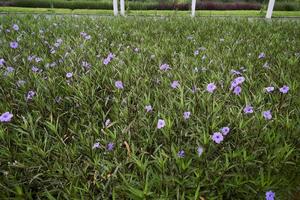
(119, 84)
(181, 154)
(270, 195)
(106, 61)
(200, 151)
(267, 115)
(6, 117)
(35, 69)
(161, 123)
(211, 87)
(164, 67)
(136, 49)
(237, 81)
(30, 95)
(14, 45)
(196, 52)
(69, 75)
(37, 59)
(148, 108)
(217, 137)
(15, 27)
(87, 65)
(269, 89)
(237, 90)
(9, 70)
(107, 122)
(110, 146)
(248, 109)
(2, 61)
(284, 89)
(96, 146)
(261, 55)
(225, 130)
(175, 84)
(186, 115)
(30, 58)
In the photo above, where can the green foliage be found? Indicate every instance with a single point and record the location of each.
(46, 150)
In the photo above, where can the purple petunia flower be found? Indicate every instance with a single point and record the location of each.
(181, 154)
(14, 44)
(211, 87)
(6, 117)
(200, 150)
(110, 146)
(225, 130)
(30, 95)
(106, 61)
(69, 75)
(267, 115)
(217, 137)
(15, 27)
(107, 122)
(164, 67)
(161, 123)
(284, 89)
(186, 115)
(148, 108)
(35, 69)
(88, 65)
(175, 84)
(261, 55)
(237, 81)
(119, 84)
(237, 90)
(96, 146)
(248, 109)
(38, 59)
(2, 61)
(87, 37)
(269, 89)
(270, 195)
(8, 70)
(30, 58)
(196, 52)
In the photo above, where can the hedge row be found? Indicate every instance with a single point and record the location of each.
(148, 6)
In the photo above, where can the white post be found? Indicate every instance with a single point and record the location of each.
(193, 7)
(122, 5)
(115, 5)
(270, 9)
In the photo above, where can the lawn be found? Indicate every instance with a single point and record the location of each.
(149, 108)
(233, 13)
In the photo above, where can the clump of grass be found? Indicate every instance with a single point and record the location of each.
(86, 95)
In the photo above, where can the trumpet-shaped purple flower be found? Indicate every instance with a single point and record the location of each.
(119, 84)
(87, 65)
(148, 108)
(270, 195)
(267, 115)
(200, 150)
(181, 154)
(237, 90)
(196, 52)
(211, 87)
(8, 71)
(35, 69)
(284, 89)
(248, 109)
(164, 67)
(225, 130)
(186, 115)
(30, 95)
(161, 123)
(96, 145)
(175, 84)
(110, 146)
(2, 61)
(217, 137)
(69, 75)
(237, 81)
(261, 55)
(6, 117)
(15, 27)
(269, 89)
(14, 45)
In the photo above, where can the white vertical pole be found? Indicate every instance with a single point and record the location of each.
(122, 5)
(193, 7)
(115, 5)
(270, 9)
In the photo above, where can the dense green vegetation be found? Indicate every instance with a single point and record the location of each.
(133, 108)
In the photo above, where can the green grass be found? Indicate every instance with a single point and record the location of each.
(248, 13)
(46, 149)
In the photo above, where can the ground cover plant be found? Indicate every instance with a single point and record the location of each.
(149, 108)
